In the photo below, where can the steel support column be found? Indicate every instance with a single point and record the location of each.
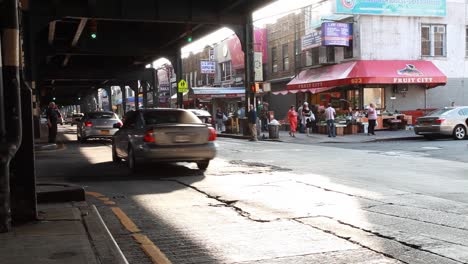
(144, 85)
(123, 89)
(23, 169)
(11, 135)
(109, 96)
(155, 88)
(179, 71)
(247, 37)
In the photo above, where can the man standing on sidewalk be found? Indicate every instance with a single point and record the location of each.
(330, 117)
(252, 119)
(52, 120)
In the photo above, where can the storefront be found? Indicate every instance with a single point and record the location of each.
(393, 85)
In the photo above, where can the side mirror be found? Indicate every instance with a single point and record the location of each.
(117, 125)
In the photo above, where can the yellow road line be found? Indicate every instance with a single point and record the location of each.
(109, 202)
(126, 222)
(95, 194)
(151, 250)
(103, 198)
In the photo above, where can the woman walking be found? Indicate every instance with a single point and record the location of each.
(292, 117)
(307, 118)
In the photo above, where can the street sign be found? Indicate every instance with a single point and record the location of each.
(182, 86)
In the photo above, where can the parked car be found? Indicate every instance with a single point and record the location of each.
(97, 125)
(450, 121)
(203, 115)
(164, 135)
(75, 118)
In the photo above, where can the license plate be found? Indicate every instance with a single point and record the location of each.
(181, 138)
(426, 123)
(105, 132)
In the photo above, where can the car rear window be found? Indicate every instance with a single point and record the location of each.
(101, 116)
(439, 112)
(170, 117)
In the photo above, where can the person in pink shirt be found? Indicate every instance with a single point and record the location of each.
(292, 118)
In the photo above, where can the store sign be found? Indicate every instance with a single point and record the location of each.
(311, 40)
(393, 7)
(336, 34)
(258, 66)
(208, 67)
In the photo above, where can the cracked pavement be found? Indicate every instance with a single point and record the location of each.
(287, 203)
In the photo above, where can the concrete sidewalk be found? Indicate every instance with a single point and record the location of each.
(381, 135)
(68, 229)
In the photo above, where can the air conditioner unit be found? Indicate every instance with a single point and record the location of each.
(439, 29)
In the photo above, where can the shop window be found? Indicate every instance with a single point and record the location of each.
(376, 96)
(226, 71)
(348, 51)
(274, 60)
(285, 58)
(354, 99)
(433, 40)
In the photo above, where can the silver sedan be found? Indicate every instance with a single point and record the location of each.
(164, 135)
(450, 121)
(97, 125)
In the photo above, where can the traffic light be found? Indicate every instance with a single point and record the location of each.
(92, 26)
(189, 36)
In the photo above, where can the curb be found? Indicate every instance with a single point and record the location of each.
(59, 193)
(104, 243)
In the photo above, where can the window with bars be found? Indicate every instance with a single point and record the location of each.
(466, 42)
(274, 60)
(433, 40)
(330, 54)
(348, 51)
(285, 58)
(226, 71)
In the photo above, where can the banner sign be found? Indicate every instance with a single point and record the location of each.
(258, 66)
(207, 67)
(261, 43)
(336, 34)
(311, 40)
(393, 7)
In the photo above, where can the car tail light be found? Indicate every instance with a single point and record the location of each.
(120, 124)
(149, 136)
(212, 136)
(88, 124)
(439, 121)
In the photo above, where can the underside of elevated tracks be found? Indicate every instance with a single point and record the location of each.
(67, 49)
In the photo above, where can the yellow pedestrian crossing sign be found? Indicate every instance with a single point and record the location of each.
(182, 86)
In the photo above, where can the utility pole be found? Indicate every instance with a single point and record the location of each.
(248, 60)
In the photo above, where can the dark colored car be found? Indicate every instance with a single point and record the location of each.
(164, 135)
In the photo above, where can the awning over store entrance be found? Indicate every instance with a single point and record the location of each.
(369, 72)
(218, 92)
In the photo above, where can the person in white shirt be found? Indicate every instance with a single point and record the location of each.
(372, 118)
(330, 114)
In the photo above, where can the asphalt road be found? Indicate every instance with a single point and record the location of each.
(270, 202)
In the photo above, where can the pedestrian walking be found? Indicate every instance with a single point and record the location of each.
(299, 116)
(371, 118)
(307, 118)
(330, 114)
(219, 116)
(53, 115)
(292, 118)
(252, 119)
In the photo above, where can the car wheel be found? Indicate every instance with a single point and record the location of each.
(115, 158)
(131, 162)
(459, 132)
(203, 165)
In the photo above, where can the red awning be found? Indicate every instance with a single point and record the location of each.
(370, 72)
